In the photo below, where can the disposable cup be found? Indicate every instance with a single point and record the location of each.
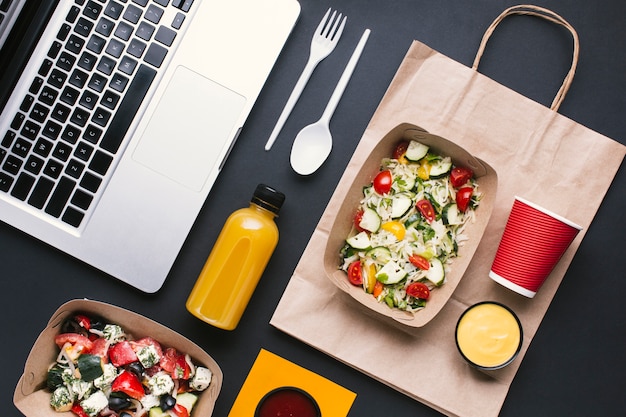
(534, 240)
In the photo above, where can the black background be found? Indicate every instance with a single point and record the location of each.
(576, 363)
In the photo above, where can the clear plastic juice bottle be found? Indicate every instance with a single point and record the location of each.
(237, 261)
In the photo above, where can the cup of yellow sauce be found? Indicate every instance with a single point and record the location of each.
(489, 335)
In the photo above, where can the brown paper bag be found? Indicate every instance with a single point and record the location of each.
(536, 153)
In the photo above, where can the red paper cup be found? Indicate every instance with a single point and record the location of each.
(534, 240)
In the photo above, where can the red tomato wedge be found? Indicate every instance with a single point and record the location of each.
(78, 410)
(175, 364)
(418, 290)
(420, 262)
(180, 411)
(460, 176)
(129, 384)
(426, 209)
(382, 182)
(357, 220)
(78, 341)
(463, 197)
(355, 273)
(122, 353)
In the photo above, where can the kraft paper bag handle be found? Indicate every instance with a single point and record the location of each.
(549, 15)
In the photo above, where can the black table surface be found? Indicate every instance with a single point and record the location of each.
(576, 363)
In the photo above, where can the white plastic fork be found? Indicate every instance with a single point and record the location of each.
(324, 41)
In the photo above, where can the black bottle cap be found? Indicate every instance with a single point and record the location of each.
(268, 198)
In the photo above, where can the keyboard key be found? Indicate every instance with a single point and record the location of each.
(36, 85)
(30, 129)
(177, 23)
(83, 151)
(90, 182)
(96, 44)
(153, 14)
(118, 82)
(55, 49)
(123, 31)
(115, 48)
(74, 44)
(60, 196)
(39, 113)
(21, 147)
(101, 117)
(22, 186)
(92, 134)
(136, 48)
(83, 26)
(74, 168)
(64, 32)
(97, 82)
(100, 163)
(48, 95)
(19, 118)
(81, 199)
(73, 217)
(132, 13)
(142, 3)
(129, 105)
(92, 10)
(69, 95)
(34, 164)
(12, 164)
(106, 65)
(113, 9)
(51, 130)
(62, 151)
(73, 14)
(53, 169)
(105, 26)
(145, 31)
(8, 139)
(44, 69)
(27, 103)
(87, 61)
(110, 99)
(43, 147)
(70, 134)
(127, 65)
(163, 3)
(5, 182)
(155, 55)
(79, 117)
(61, 112)
(88, 100)
(57, 78)
(165, 35)
(66, 61)
(41, 192)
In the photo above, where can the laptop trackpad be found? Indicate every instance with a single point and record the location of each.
(189, 129)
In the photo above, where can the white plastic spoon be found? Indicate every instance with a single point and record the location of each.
(313, 144)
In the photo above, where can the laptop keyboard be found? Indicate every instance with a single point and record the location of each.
(63, 140)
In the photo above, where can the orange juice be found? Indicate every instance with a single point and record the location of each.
(489, 335)
(237, 261)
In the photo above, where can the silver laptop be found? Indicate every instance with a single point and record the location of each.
(119, 124)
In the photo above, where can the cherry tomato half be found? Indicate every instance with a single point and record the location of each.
(357, 220)
(426, 209)
(355, 273)
(382, 182)
(463, 197)
(400, 151)
(420, 262)
(76, 340)
(418, 290)
(460, 175)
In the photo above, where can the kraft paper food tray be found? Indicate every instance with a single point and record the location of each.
(33, 399)
(487, 181)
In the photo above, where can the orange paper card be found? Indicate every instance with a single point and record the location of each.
(270, 371)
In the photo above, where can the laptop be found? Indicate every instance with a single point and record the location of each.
(114, 129)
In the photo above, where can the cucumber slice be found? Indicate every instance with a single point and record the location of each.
(187, 400)
(416, 151)
(440, 167)
(400, 205)
(391, 273)
(380, 254)
(359, 241)
(452, 215)
(370, 220)
(436, 273)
